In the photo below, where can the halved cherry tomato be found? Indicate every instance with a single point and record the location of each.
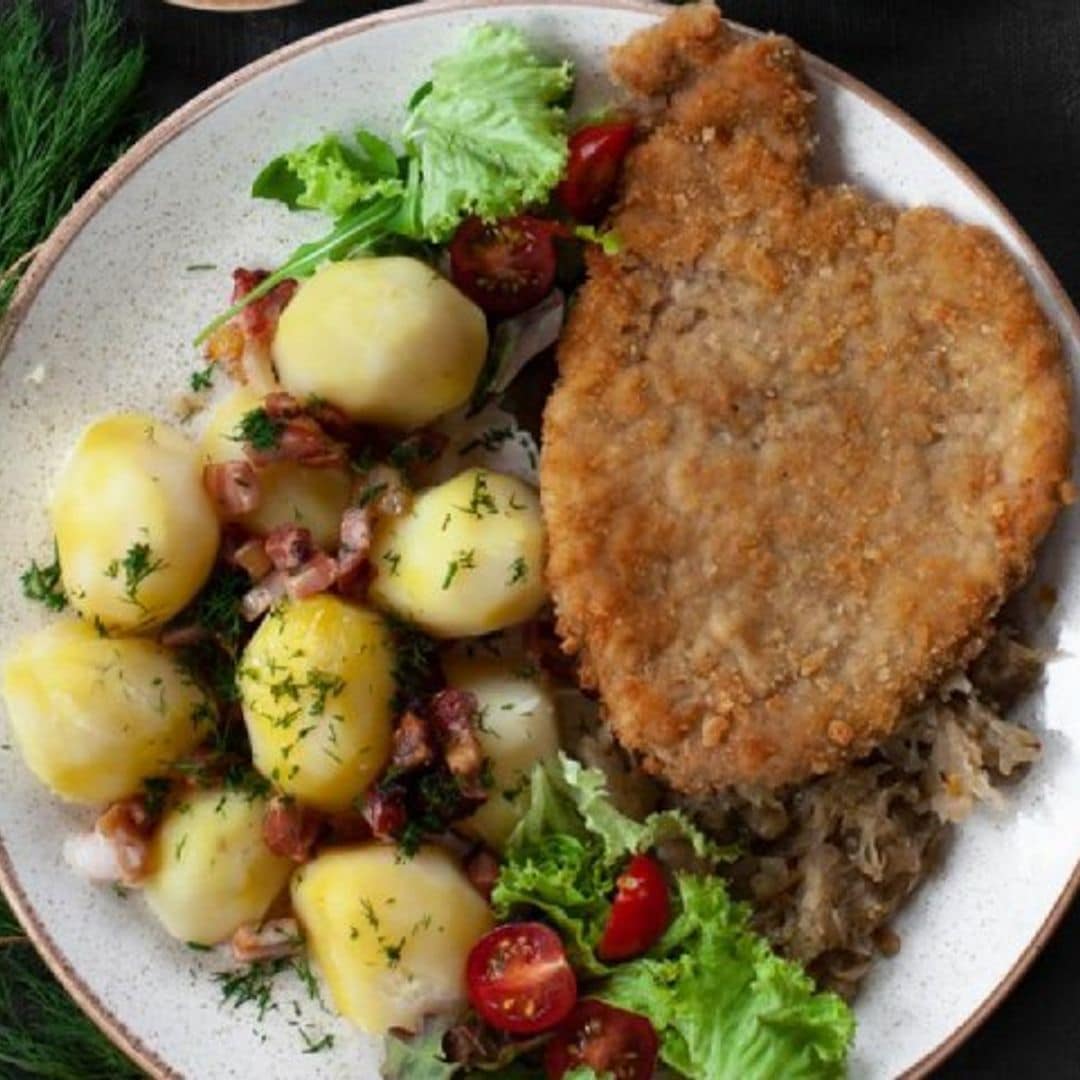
(640, 912)
(519, 979)
(611, 1041)
(592, 169)
(504, 266)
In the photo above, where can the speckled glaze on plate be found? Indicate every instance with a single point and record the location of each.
(104, 321)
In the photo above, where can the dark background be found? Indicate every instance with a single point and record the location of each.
(999, 82)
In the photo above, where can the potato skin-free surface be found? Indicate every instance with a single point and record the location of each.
(316, 683)
(95, 716)
(210, 868)
(803, 443)
(290, 494)
(389, 340)
(390, 934)
(467, 559)
(518, 729)
(135, 530)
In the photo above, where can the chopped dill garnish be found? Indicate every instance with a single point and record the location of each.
(370, 494)
(202, 380)
(463, 560)
(481, 501)
(198, 946)
(155, 793)
(490, 440)
(252, 984)
(519, 570)
(416, 663)
(313, 1045)
(393, 560)
(259, 430)
(137, 564)
(44, 584)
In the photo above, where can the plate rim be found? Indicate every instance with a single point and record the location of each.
(173, 125)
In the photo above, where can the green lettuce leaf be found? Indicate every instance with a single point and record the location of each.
(489, 133)
(566, 852)
(419, 1056)
(330, 176)
(725, 1006)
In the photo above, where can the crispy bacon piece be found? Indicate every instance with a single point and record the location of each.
(482, 870)
(331, 419)
(233, 487)
(281, 405)
(252, 558)
(273, 940)
(303, 441)
(348, 827)
(289, 546)
(453, 717)
(291, 830)
(413, 745)
(353, 567)
(260, 318)
(315, 576)
(259, 600)
(385, 812)
(119, 847)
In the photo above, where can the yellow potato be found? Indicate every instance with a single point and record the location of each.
(518, 729)
(391, 935)
(314, 498)
(135, 529)
(388, 340)
(211, 871)
(467, 559)
(94, 716)
(316, 682)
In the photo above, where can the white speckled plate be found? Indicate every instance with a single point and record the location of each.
(108, 312)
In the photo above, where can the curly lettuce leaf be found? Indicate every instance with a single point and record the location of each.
(565, 854)
(727, 1007)
(489, 133)
(330, 176)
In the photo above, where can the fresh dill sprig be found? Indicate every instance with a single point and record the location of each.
(259, 430)
(43, 583)
(58, 125)
(137, 564)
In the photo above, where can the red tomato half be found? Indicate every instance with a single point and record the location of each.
(640, 912)
(592, 169)
(611, 1041)
(519, 979)
(505, 267)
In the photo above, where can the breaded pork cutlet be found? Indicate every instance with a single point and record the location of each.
(803, 443)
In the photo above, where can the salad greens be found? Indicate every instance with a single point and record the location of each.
(486, 136)
(723, 1004)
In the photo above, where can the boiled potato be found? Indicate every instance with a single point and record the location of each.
(314, 498)
(135, 529)
(210, 870)
(388, 340)
(94, 716)
(316, 682)
(391, 935)
(517, 730)
(467, 559)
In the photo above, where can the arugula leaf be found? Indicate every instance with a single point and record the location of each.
(490, 135)
(727, 1007)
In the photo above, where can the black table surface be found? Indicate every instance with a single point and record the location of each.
(999, 82)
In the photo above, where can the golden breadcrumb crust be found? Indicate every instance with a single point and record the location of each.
(803, 443)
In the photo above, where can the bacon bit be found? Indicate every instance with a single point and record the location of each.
(259, 600)
(482, 870)
(226, 346)
(331, 419)
(260, 318)
(233, 487)
(119, 847)
(412, 744)
(385, 812)
(289, 546)
(453, 714)
(353, 569)
(291, 830)
(275, 939)
(315, 576)
(181, 637)
(281, 405)
(251, 557)
(303, 441)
